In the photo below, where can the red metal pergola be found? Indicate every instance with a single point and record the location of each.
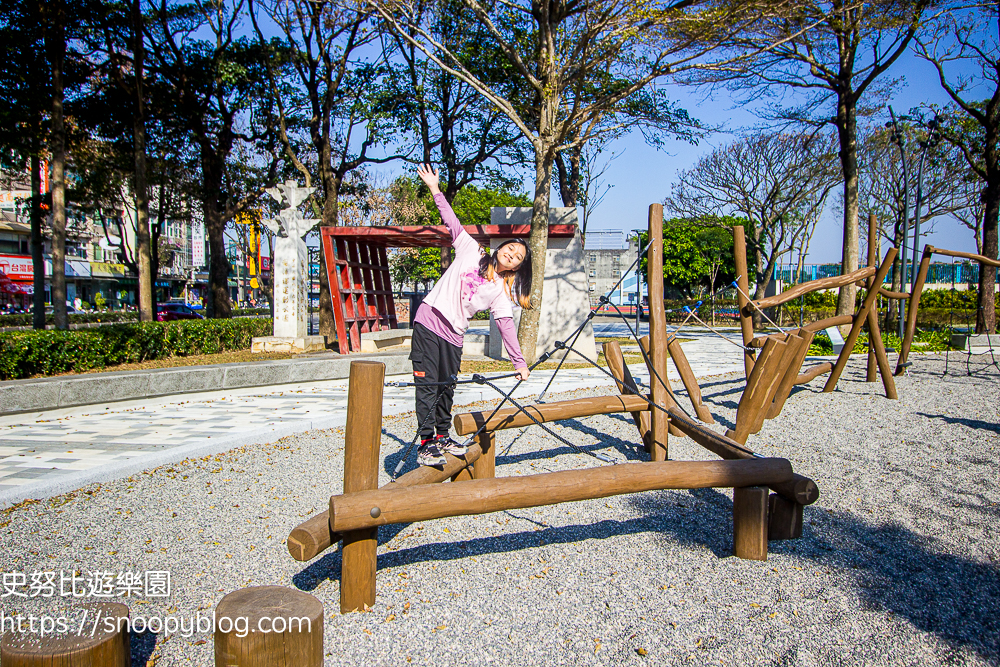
(358, 269)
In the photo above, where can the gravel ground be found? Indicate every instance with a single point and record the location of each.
(899, 562)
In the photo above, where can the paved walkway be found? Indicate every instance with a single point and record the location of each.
(65, 449)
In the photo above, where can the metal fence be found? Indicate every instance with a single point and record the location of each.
(959, 273)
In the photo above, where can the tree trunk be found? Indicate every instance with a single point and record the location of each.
(538, 241)
(986, 320)
(37, 258)
(147, 311)
(55, 39)
(847, 132)
(220, 305)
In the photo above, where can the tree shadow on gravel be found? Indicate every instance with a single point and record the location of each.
(971, 423)
(890, 567)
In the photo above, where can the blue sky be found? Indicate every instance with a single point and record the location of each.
(643, 175)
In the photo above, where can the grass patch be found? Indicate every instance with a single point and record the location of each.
(234, 356)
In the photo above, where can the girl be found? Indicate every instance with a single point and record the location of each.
(475, 281)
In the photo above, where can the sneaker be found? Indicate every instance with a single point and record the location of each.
(428, 454)
(449, 446)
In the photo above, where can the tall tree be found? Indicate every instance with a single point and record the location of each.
(332, 91)
(211, 83)
(835, 53)
(558, 49)
(776, 181)
(968, 38)
(882, 190)
(24, 104)
(55, 49)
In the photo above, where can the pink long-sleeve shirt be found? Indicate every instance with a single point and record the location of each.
(462, 292)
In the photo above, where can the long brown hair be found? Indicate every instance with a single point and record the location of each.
(517, 283)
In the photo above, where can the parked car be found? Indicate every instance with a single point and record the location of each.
(168, 312)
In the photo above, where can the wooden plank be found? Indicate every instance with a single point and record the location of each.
(362, 440)
(367, 509)
(911, 310)
(469, 422)
(758, 389)
(689, 380)
(859, 319)
(798, 489)
(743, 281)
(750, 522)
(799, 348)
(795, 292)
(627, 386)
(310, 538)
(657, 333)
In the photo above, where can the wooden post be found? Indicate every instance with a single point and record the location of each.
(363, 435)
(366, 509)
(657, 332)
(70, 649)
(627, 386)
(281, 627)
(875, 343)
(800, 342)
(750, 522)
(859, 319)
(690, 383)
(784, 520)
(743, 280)
(670, 397)
(911, 310)
(485, 466)
(872, 258)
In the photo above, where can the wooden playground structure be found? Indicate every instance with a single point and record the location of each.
(913, 297)
(768, 496)
(773, 362)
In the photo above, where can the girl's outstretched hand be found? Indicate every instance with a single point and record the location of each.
(430, 177)
(523, 373)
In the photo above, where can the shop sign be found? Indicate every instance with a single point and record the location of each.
(107, 270)
(17, 267)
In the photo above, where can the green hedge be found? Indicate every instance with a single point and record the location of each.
(30, 353)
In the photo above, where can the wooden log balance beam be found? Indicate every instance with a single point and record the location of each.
(365, 510)
(469, 422)
(310, 538)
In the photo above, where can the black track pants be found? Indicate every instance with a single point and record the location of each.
(434, 360)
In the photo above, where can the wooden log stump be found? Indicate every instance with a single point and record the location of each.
(107, 646)
(784, 519)
(281, 627)
(750, 522)
(363, 434)
(485, 465)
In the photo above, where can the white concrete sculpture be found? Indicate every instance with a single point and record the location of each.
(291, 275)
